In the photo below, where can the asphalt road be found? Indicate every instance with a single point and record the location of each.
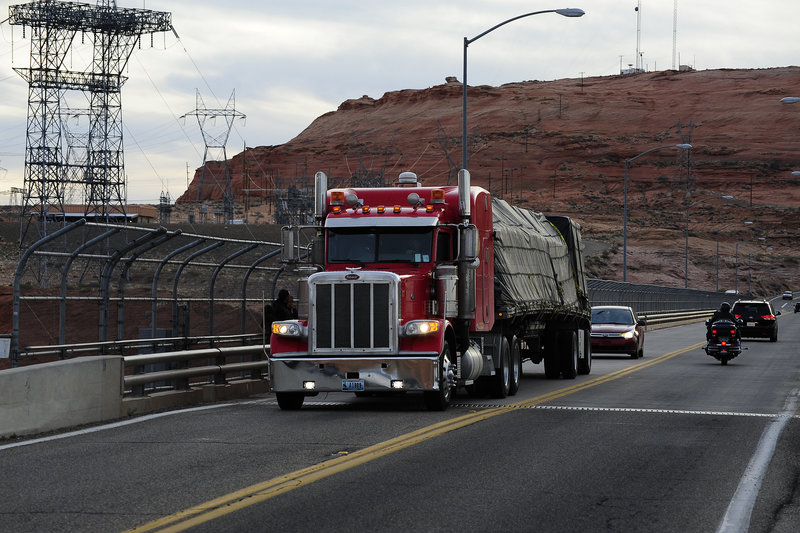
(671, 442)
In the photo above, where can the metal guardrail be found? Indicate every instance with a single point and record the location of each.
(147, 369)
(217, 373)
(122, 346)
(180, 369)
(668, 318)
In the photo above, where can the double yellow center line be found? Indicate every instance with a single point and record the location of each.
(260, 492)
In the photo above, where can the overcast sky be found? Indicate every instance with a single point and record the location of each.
(290, 62)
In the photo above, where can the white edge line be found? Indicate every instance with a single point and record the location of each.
(113, 425)
(737, 516)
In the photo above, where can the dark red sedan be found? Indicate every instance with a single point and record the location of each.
(617, 329)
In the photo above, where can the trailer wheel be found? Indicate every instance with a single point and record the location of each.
(501, 381)
(568, 346)
(585, 364)
(290, 401)
(439, 400)
(552, 366)
(516, 368)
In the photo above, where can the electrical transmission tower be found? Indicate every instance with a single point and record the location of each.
(215, 137)
(60, 164)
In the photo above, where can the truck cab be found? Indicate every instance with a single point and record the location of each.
(384, 302)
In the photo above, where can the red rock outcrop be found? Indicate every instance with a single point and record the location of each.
(561, 146)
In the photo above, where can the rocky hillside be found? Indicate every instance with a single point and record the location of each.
(561, 147)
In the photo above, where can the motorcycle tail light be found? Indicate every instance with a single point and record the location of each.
(714, 332)
(724, 343)
(737, 316)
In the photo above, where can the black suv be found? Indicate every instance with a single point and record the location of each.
(757, 319)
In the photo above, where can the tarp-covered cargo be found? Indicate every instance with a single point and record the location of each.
(534, 269)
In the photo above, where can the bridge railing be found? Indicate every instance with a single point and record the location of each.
(183, 362)
(90, 281)
(654, 299)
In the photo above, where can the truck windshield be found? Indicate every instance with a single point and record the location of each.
(380, 245)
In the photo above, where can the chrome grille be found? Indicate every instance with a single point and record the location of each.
(354, 315)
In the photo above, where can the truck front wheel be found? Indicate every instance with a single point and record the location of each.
(290, 401)
(501, 381)
(439, 400)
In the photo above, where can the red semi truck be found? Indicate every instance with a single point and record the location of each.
(427, 289)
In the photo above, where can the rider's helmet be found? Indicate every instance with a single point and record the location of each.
(725, 307)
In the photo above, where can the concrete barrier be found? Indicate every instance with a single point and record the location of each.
(50, 396)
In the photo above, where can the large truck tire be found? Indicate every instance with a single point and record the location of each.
(552, 364)
(500, 383)
(585, 364)
(290, 401)
(568, 348)
(439, 400)
(516, 367)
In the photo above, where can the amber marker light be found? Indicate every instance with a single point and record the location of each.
(381, 209)
(396, 209)
(437, 196)
(337, 198)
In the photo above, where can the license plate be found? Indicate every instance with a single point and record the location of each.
(751, 324)
(352, 385)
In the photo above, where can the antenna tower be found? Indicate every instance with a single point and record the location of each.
(674, 33)
(639, 66)
(215, 141)
(56, 162)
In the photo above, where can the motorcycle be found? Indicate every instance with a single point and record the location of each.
(724, 342)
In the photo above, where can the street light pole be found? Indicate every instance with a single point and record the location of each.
(567, 12)
(625, 202)
(747, 223)
(736, 271)
(686, 247)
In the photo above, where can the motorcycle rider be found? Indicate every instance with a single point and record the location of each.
(723, 313)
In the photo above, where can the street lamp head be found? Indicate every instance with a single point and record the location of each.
(571, 12)
(726, 197)
(748, 223)
(796, 173)
(790, 99)
(684, 146)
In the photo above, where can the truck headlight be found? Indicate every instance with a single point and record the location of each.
(289, 329)
(420, 327)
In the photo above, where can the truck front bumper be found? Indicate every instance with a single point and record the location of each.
(368, 374)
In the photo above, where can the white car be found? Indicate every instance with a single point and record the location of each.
(788, 295)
